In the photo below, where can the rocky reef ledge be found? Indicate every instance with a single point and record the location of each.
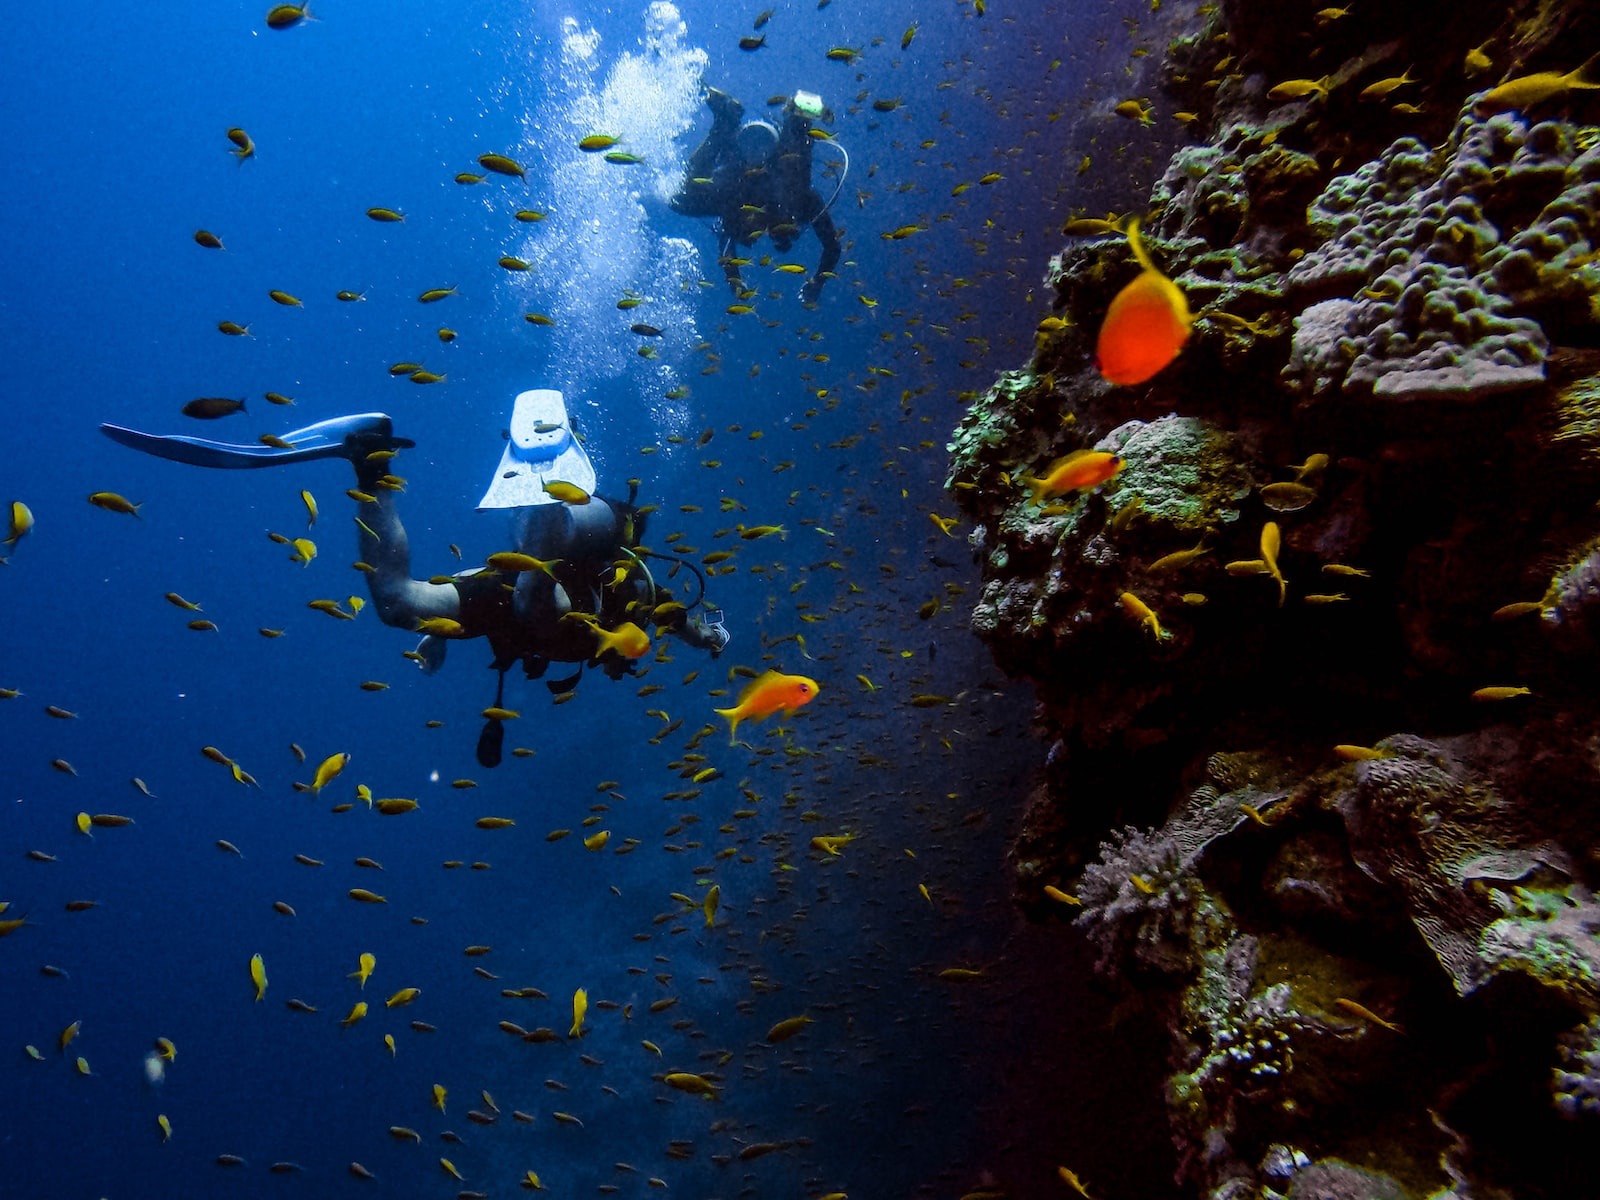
(1317, 668)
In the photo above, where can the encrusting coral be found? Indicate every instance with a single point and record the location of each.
(1354, 541)
(1417, 276)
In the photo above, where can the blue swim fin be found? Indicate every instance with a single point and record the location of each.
(349, 437)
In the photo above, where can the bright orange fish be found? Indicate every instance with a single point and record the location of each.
(1146, 325)
(1078, 471)
(767, 694)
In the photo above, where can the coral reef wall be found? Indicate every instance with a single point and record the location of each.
(1316, 666)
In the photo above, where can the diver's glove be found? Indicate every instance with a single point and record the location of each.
(812, 291)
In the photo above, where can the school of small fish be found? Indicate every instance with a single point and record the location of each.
(787, 732)
(752, 824)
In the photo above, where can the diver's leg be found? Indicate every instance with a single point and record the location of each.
(382, 544)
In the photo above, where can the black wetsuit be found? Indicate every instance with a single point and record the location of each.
(774, 198)
(519, 615)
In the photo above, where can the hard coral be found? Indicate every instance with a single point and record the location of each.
(1552, 935)
(1575, 1083)
(1159, 921)
(1571, 603)
(1148, 923)
(1434, 261)
(1426, 823)
(1188, 474)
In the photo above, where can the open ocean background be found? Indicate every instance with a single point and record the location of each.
(904, 1084)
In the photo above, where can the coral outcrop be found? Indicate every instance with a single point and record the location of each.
(1322, 652)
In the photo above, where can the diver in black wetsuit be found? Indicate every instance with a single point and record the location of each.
(756, 179)
(592, 585)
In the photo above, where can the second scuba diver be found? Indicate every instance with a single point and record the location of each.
(756, 180)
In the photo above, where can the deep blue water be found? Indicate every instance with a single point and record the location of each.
(904, 1084)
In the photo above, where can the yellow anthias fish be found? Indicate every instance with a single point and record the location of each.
(510, 560)
(787, 1028)
(1529, 90)
(1136, 110)
(1073, 1182)
(1271, 541)
(1144, 614)
(580, 1008)
(626, 639)
(112, 502)
(567, 493)
(1299, 89)
(441, 627)
(258, 975)
(829, 843)
(329, 770)
(364, 971)
(21, 522)
(695, 1085)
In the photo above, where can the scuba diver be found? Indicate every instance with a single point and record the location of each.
(575, 589)
(756, 179)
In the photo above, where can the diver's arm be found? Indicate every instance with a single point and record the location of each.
(381, 543)
(828, 235)
(709, 155)
(699, 196)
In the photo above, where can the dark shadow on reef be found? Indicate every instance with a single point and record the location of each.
(1330, 808)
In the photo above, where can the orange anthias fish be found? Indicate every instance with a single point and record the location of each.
(1078, 471)
(1146, 325)
(767, 694)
